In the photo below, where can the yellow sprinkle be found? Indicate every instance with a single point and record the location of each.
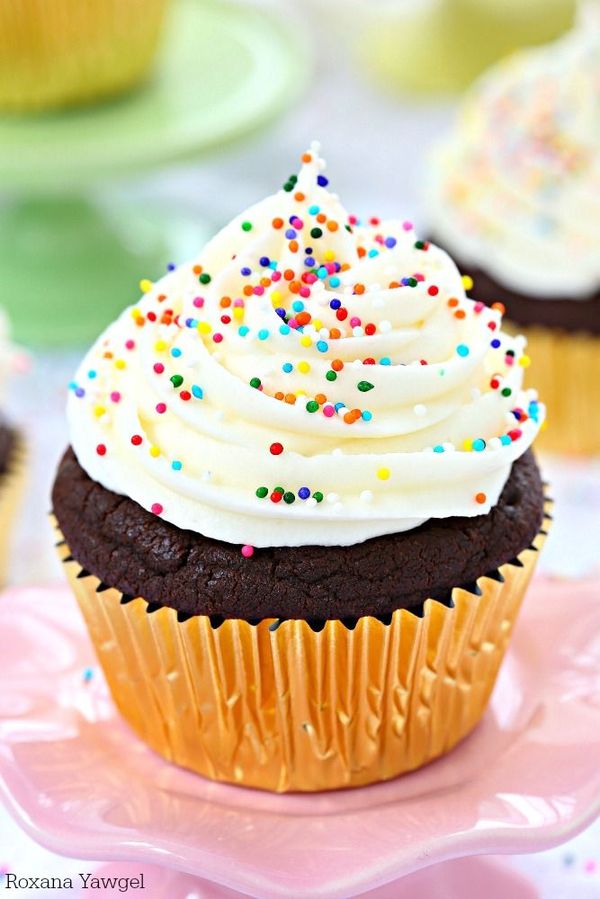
(525, 361)
(318, 324)
(303, 367)
(301, 393)
(120, 364)
(99, 411)
(467, 282)
(276, 297)
(204, 328)
(468, 445)
(329, 256)
(136, 313)
(238, 313)
(305, 341)
(145, 285)
(154, 451)
(383, 474)
(160, 345)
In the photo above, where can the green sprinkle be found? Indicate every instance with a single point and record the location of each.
(278, 490)
(289, 498)
(331, 375)
(506, 391)
(255, 382)
(261, 492)
(204, 278)
(176, 380)
(246, 226)
(316, 232)
(419, 245)
(365, 386)
(312, 406)
(318, 496)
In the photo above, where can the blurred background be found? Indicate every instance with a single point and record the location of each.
(217, 104)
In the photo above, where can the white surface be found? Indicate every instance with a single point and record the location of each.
(376, 148)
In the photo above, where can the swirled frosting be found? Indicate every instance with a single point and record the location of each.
(310, 378)
(516, 188)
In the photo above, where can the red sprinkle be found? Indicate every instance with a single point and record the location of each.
(101, 449)
(156, 508)
(276, 449)
(136, 439)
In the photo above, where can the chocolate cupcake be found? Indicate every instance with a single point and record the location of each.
(515, 198)
(299, 510)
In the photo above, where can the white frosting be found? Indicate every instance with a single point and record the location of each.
(516, 188)
(206, 442)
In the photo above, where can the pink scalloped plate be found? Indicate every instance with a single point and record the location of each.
(80, 783)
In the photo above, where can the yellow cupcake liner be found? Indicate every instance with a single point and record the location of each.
(282, 707)
(12, 485)
(566, 373)
(62, 52)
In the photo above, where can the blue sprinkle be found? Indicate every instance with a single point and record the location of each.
(479, 445)
(273, 264)
(308, 251)
(339, 406)
(322, 181)
(495, 343)
(243, 330)
(191, 322)
(246, 271)
(291, 233)
(284, 329)
(405, 282)
(309, 261)
(373, 253)
(176, 465)
(92, 374)
(287, 367)
(79, 392)
(390, 242)
(322, 346)
(304, 493)
(72, 385)
(263, 334)
(322, 272)
(462, 350)
(197, 392)
(334, 281)
(314, 210)
(505, 440)
(176, 352)
(281, 312)
(385, 360)
(171, 267)
(367, 416)
(264, 261)
(297, 305)
(335, 304)
(438, 449)
(88, 674)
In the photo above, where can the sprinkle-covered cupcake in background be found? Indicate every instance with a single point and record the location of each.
(515, 198)
(299, 509)
(57, 53)
(12, 467)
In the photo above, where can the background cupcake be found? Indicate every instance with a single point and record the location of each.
(515, 198)
(12, 469)
(299, 511)
(64, 52)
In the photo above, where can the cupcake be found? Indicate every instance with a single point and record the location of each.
(12, 467)
(57, 53)
(300, 510)
(515, 198)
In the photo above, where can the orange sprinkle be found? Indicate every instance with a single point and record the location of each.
(303, 318)
(480, 498)
(345, 266)
(279, 395)
(361, 252)
(335, 333)
(359, 288)
(290, 398)
(332, 226)
(299, 196)
(294, 287)
(293, 245)
(197, 270)
(288, 274)
(499, 307)
(277, 223)
(393, 284)
(161, 297)
(452, 302)
(337, 365)
(321, 218)
(225, 302)
(349, 418)
(248, 290)
(265, 282)
(460, 313)
(306, 157)
(320, 398)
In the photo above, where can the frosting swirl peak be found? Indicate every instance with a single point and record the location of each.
(310, 378)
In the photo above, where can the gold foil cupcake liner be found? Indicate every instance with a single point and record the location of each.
(60, 52)
(280, 706)
(12, 485)
(566, 374)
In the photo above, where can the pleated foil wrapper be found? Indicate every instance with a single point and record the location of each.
(12, 487)
(285, 707)
(61, 52)
(566, 374)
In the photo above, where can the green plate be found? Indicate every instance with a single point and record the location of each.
(69, 266)
(224, 71)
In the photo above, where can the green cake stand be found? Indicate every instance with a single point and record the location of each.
(72, 249)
